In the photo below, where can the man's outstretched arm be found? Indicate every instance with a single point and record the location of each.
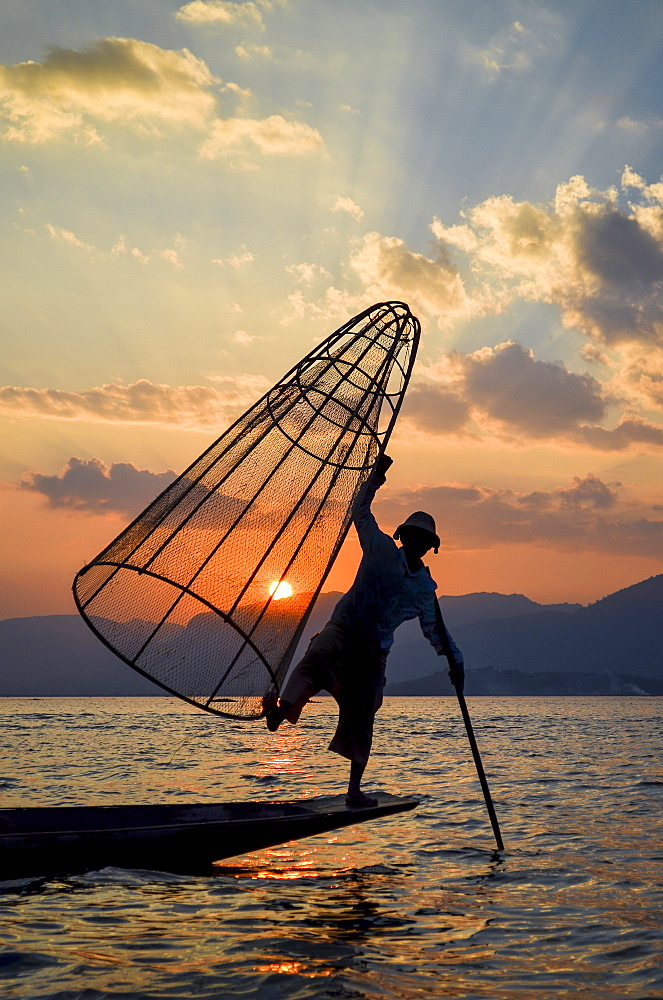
(437, 633)
(362, 516)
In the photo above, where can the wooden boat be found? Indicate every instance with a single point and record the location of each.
(36, 841)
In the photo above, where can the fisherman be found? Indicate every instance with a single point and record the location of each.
(348, 657)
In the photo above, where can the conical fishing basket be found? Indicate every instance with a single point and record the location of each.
(207, 592)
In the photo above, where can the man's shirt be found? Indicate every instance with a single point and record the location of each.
(385, 592)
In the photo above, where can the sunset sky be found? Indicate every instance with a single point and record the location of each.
(195, 194)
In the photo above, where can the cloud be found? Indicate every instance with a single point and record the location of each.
(517, 48)
(389, 269)
(275, 135)
(600, 264)
(585, 515)
(653, 192)
(227, 12)
(171, 254)
(638, 127)
(349, 206)
(579, 252)
(142, 87)
(120, 249)
(306, 274)
(65, 236)
(435, 409)
(173, 257)
(627, 432)
(248, 51)
(333, 306)
(539, 398)
(95, 488)
(191, 406)
(242, 337)
(589, 492)
(115, 80)
(507, 50)
(506, 391)
(239, 259)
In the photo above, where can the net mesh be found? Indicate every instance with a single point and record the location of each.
(208, 590)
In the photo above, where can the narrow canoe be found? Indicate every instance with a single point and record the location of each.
(37, 841)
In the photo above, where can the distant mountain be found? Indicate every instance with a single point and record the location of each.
(487, 606)
(457, 610)
(507, 683)
(620, 635)
(59, 655)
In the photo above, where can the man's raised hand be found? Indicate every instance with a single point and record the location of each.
(457, 676)
(382, 465)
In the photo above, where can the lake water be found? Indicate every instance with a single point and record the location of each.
(414, 906)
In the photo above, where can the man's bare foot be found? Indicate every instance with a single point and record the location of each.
(269, 701)
(358, 800)
(275, 717)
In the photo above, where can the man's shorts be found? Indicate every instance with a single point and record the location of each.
(353, 671)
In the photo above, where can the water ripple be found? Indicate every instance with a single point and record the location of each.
(417, 906)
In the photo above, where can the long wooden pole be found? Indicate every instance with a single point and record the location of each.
(444, 635)
(480, 770)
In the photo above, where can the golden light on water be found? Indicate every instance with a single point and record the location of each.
(299, 968)
(279, 589)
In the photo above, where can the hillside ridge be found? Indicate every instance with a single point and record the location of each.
(621, 634)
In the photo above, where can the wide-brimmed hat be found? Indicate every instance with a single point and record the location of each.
(424, 522)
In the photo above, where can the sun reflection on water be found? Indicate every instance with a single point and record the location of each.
(296, 968)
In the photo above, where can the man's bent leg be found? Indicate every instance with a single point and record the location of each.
(309, 676)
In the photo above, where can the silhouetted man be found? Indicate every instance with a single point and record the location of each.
(348, 657)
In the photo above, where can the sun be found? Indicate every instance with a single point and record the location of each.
(279, 589)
